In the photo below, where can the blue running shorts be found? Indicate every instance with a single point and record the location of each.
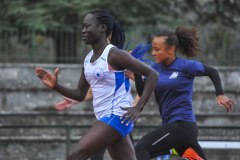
(115, 122)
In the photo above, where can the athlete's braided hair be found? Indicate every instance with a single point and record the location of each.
(113, 27)
(185, 40)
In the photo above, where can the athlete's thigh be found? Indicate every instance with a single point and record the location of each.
(178, 135)
(122, 149)
(98, 137)
(160, 140)
(186, 135)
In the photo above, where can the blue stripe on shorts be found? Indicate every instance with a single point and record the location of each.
(115, 122)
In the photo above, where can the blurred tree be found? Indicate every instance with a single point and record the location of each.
(225, 12)
(41, 16)
(141, 17)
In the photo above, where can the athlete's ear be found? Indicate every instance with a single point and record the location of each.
(171, 50)
(103, 27)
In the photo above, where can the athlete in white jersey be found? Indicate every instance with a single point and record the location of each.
(109, 86)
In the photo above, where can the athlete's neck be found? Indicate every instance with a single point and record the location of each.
(169, 61)
(99, 47)
(98, 50)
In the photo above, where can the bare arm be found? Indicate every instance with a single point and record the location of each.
(79, 93)
(68, 102)
(50, 80)
(135, 101)
(120, 59)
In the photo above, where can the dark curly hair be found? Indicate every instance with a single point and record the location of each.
(185, 40)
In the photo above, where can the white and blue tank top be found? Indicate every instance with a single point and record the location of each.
(110, 88)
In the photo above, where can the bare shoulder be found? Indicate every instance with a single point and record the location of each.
(120, 59)
(117, 52)
(117, 55)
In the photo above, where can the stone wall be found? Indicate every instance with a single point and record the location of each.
(21, 90)
(25, 101)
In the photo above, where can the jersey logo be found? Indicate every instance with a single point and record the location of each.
(173, 75)
(99, 74)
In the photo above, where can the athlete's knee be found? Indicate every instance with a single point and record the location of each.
(77, 156)
(81, 153)
(191, 154)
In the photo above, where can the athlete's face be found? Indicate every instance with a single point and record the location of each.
(160, 51)
(91, 31)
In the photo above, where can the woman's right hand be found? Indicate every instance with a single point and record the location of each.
(47, 78)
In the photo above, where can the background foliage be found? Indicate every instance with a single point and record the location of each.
(218, 22)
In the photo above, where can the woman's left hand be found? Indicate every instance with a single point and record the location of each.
(224, 101)
(131, 115)
(129, 74)
(65, 104)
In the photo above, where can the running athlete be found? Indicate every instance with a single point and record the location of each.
(66, 103)
(103, 71)
(173, 94)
